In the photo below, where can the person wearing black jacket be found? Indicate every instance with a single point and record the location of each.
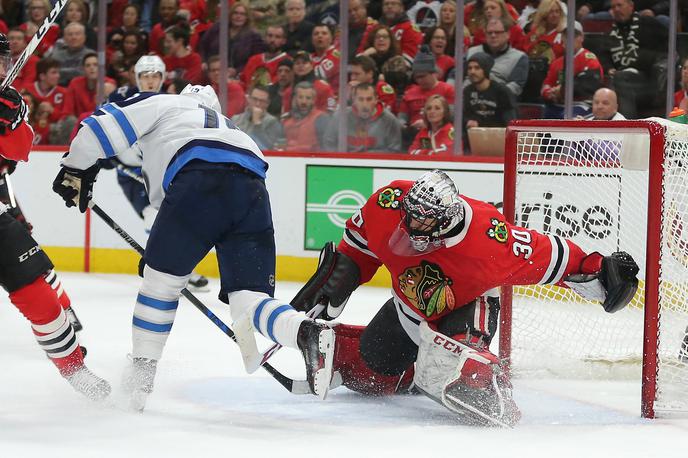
(635, 58)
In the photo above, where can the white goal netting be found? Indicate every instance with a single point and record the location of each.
(591, 185)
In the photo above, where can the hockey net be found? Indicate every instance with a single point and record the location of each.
(608, 186)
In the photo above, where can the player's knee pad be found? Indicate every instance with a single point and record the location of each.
(155, 310)
(37, 301)
(356, 374)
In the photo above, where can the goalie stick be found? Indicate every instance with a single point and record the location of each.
(33, 44)
(294, 386)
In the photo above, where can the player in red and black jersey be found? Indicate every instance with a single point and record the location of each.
(26, 272)
(447, 255)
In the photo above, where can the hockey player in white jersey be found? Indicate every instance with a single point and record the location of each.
(207, 180)
(149, 73)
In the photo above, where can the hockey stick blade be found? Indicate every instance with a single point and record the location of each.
(294, 386)
(33, 44)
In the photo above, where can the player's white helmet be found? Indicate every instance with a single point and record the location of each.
(429, 211)
(205, 94)
(149, 64)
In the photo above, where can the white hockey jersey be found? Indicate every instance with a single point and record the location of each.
(170, 130)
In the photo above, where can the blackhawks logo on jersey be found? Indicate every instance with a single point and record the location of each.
(389, 198)
(427, 288)
(498, 231)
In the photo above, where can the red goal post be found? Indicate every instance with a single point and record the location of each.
(608, 186)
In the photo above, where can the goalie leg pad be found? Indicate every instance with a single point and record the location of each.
(154, 313)
(356, 374)
(464, 378)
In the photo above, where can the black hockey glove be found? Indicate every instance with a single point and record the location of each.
(331, 285)
(7, 166)
(76, 186)
(619, 277)
(614, 285)
(13, 109)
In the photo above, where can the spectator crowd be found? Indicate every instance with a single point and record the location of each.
(284, 63)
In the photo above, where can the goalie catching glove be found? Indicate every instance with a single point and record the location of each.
(336, 277)
(614, 284)
(76, 186)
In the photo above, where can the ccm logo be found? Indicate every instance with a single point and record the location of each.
(24, 256)
(447, 345)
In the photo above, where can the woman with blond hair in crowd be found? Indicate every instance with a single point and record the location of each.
(381, 45)
(448, 23)
(480, 12)
(544, 40)
(437, 137)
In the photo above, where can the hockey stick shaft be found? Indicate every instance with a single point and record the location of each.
(130, 173)
(294, 386)
(33, 44)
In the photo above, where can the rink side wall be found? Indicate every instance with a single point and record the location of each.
(311, 195)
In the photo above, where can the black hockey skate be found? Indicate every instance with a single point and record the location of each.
(316, 342)
(479, 406)
(198, 283)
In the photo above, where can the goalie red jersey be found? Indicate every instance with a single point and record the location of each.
(479, 254)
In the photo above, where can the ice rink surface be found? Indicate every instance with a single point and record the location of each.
(205, 405)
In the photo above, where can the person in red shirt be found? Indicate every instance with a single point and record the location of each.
(305, 125)
(81, 92)
(325, 98)
(326, 56)
(27, 75)
(425, 75)
(545, 37)
(45, 91)
(26, 272)
(438, 136)
(167, 9)
(364, 70)
(588, 77)
(481, 12)
(38, 11)
(236, 100)
(436, 38)
(447, 255)
(408, 34)
(261, 69)
(180, 61)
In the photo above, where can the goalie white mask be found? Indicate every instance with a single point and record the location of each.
(205, 94)
(149, 65)
(429, 210)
